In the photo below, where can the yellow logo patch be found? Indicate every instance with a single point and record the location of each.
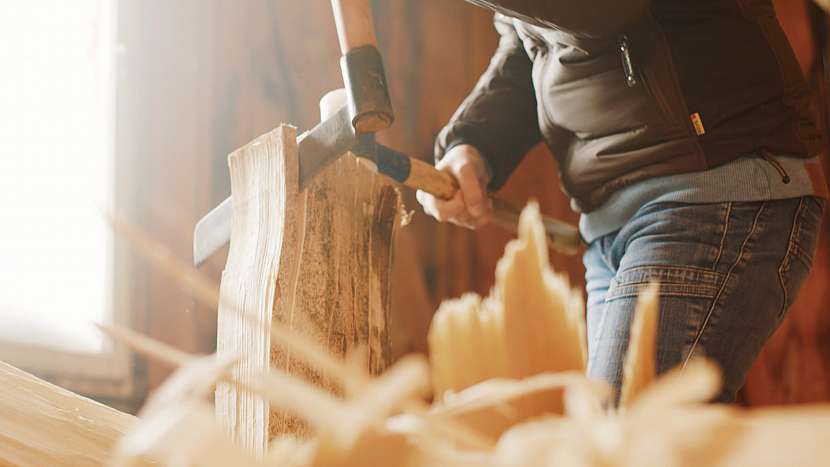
(697, 122)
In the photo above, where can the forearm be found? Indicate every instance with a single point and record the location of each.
(499, 116)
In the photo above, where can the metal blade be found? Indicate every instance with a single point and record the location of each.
(316, 148)
(323, 144)
(212, 232)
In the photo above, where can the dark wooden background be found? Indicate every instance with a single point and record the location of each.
(199, 78)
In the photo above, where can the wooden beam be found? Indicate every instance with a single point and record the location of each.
(43, 424)
(316, 259)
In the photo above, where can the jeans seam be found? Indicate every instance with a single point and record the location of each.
(711, 310)
(723, 237)
(664, 267)
(628, 284)
(663, 293)
(785, 261)
(801, 255)
(666, 289)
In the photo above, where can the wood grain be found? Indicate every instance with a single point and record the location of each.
(317, 260)
(42, 424)
(355, 27)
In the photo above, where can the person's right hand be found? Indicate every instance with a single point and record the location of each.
(470, 207)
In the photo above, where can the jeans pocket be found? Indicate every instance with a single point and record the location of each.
(798, 260)
(678, 281)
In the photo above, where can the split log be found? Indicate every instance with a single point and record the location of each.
(315, 258)
(532, 323)
(43, 424)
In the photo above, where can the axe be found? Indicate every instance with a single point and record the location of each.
(352, 129)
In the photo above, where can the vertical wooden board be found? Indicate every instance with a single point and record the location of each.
(264, 179)
(316, 258)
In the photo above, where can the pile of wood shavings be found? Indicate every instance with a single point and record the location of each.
(507, 379)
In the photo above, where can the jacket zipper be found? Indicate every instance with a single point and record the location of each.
(627, 63)
(767, 156)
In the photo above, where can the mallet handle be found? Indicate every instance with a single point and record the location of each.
(355, 27)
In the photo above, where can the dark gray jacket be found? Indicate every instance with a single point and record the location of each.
(623, 90)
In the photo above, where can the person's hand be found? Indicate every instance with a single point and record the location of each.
(470, 207)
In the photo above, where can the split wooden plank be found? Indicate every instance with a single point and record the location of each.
(315, 258)
(43, 424)
(544, 318)
(531, 324)
(247, 286)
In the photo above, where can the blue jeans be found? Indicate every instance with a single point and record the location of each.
(727, 273)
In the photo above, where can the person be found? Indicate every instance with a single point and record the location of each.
(684, 137)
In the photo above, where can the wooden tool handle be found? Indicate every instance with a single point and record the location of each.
(562, 237)
(425, 177)
(354, 24)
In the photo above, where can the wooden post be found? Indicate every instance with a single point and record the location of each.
(316, 259)
(42, 424)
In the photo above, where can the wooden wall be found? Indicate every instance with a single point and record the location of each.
(794, 366)
(199, 78)
(164, 144)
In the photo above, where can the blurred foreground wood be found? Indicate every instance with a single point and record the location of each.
(44, 425)
(383, 420)
(315, 258)
(532, 323)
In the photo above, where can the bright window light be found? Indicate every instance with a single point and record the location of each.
(56, 171)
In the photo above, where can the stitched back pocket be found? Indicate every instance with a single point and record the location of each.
(681, 281)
